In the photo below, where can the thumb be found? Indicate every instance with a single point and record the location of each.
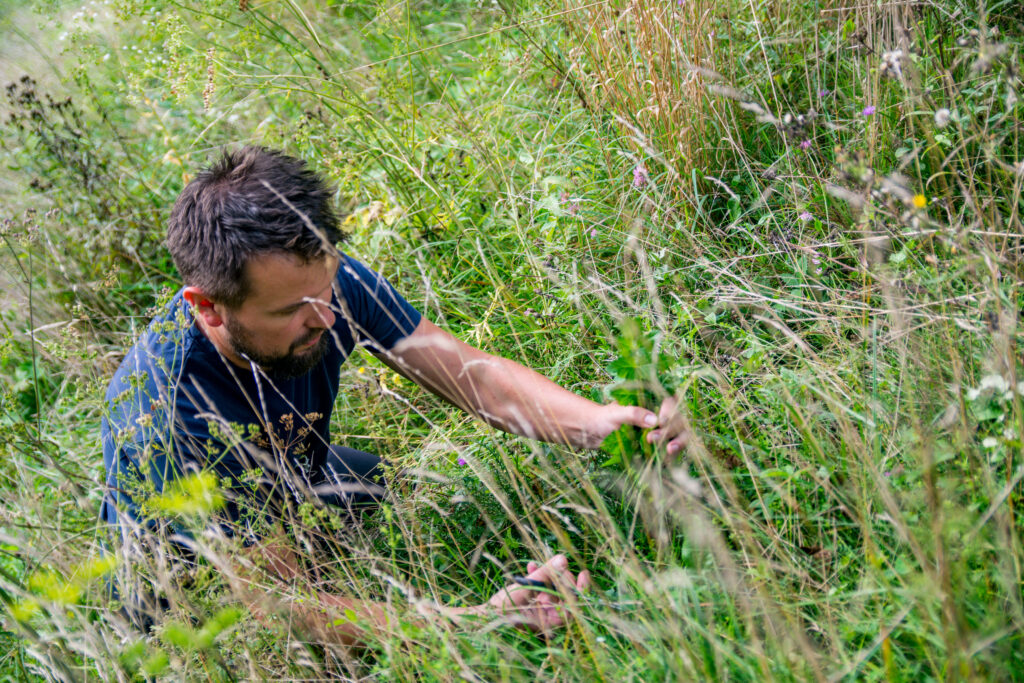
(640, 417)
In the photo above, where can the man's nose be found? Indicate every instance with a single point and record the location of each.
(323, 316)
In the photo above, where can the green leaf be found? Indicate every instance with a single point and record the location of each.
(620, 444)
(612, 461)
(622, 368)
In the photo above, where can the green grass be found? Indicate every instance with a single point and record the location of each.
(846, 357)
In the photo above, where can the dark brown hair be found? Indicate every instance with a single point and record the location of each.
(252, 201)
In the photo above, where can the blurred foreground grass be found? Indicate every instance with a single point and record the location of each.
(802, 218)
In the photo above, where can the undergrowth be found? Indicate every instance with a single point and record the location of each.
(802, 219)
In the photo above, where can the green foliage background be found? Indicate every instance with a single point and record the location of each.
(802, 219)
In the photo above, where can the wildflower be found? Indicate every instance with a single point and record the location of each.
(824, 92)
(806, 144)
(816, 262)
(868, 110)
(593, 232)
(806, 216)
(919, 201)
(890, 66)
(990, 385)
(639, 176)
(942, 118)
(462, 461)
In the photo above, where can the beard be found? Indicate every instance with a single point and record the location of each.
(287, 366)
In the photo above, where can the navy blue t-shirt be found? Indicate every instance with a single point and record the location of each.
(176, 406)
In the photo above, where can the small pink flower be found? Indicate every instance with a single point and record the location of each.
(806, 216)
(462, 461)
(593, 232)
(639, 176)
(868, 110)
(806, 144)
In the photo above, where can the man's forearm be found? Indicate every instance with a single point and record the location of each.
(504, 393)
(327, 617)
(519, 400)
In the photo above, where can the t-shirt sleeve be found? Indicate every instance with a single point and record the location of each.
(158, 434)
(380, 316)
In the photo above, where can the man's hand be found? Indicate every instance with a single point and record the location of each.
(668, 428)
(518, 400)
(539, 609)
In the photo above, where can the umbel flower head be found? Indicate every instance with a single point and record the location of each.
(639, 176)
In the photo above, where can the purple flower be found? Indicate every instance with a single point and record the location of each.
(461, 461)
(868, 110)
(806, 144)
(593, 232)
(806, 216)
(639, 176)
(824, 92)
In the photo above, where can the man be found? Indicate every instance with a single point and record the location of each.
(239, 375)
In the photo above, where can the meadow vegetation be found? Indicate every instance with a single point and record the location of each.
(803, 219)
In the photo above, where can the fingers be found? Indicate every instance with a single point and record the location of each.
(673, 446)
(672, 430)
(555, 572)
(540, 605)
(549, 571)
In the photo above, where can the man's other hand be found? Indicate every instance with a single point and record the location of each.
(540, 609)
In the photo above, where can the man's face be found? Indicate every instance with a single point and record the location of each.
(284, 324)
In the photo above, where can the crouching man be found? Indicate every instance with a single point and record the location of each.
(239, 374)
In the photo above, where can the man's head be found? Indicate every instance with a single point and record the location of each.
(253, 237)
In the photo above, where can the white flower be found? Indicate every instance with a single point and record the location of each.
(942, 118)
(990, 385)
(996, 382)
(890, 65)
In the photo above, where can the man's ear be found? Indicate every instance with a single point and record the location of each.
(203, 307)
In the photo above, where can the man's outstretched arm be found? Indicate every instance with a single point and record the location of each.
(518, 400)
(328, 617)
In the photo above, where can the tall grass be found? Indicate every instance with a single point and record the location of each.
(802, 219)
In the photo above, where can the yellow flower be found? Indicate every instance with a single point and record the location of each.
(920, 201)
